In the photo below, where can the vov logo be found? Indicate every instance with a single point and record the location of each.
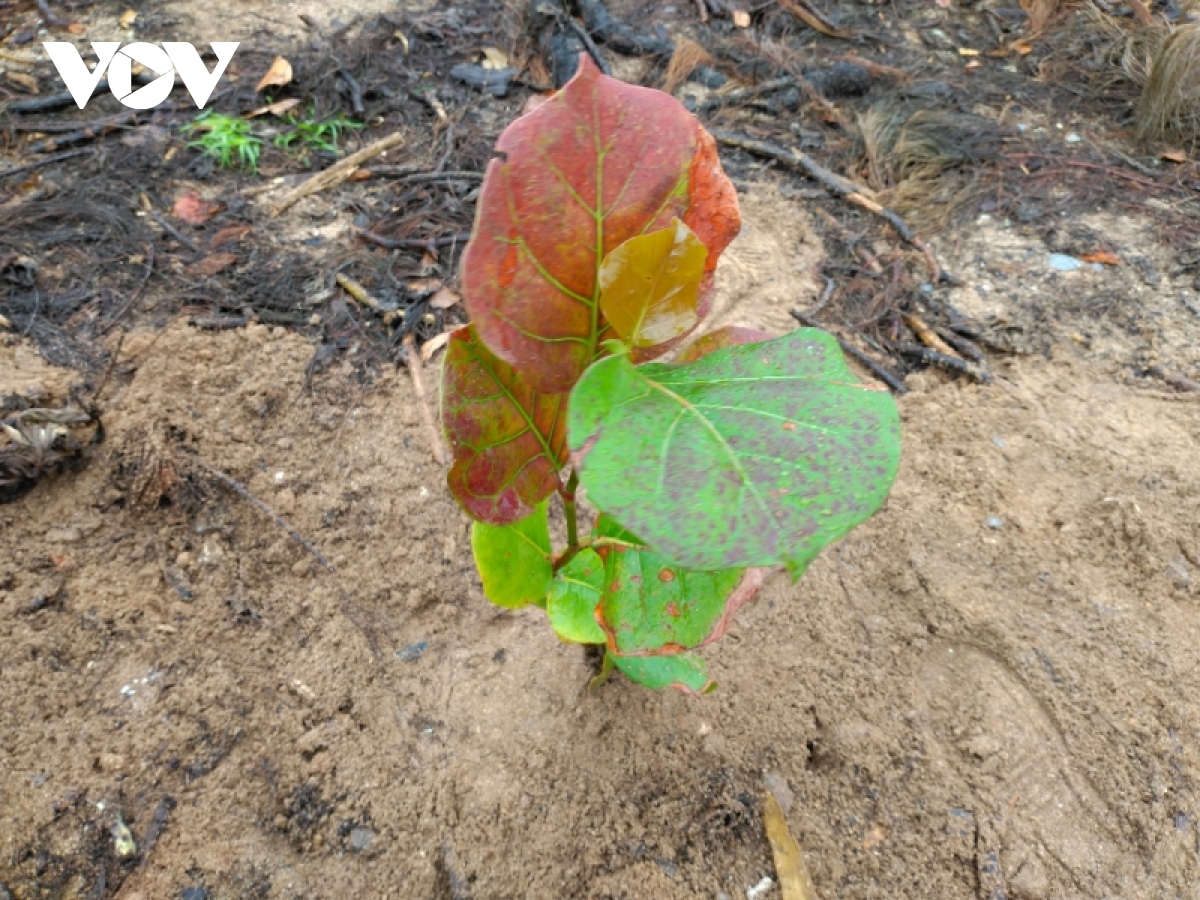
(171, 59)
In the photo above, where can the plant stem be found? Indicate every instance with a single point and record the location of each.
(606, 668)
(568, 498)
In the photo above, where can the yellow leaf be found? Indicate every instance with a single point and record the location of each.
(967, 51)
(650, 285)
(494, 58)
(127, 18)
(794, 881)
(278, 75)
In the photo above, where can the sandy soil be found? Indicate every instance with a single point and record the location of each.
(988, 690)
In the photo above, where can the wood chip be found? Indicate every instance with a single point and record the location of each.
(794, 880)
(433, 345)
(444, 298)
(276, 109)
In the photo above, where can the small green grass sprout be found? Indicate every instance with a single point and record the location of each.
(323, 135)
(227, 139)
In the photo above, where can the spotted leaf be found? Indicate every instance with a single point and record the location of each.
(753, 455)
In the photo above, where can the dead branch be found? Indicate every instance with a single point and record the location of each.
(877, 369)
(928, 336)
(58, 157)
(337, 173)
(412, 360)
(942, 361)
(842, 187)
(85, 134)
(413, 243)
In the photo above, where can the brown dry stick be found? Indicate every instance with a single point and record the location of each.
(337, 173)
(412, 359)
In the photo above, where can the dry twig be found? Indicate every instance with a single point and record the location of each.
(843, 187)
(337, 173)
(814, 19)
(884, 374)
(58, 157)
(412, 359)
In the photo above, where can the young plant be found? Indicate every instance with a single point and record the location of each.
(227, 139)
(599, 226)
(323, 135)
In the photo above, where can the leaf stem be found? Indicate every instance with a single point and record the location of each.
(568, 498)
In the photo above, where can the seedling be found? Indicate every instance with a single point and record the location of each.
(599, 226)
(323, 135)
(227, 139)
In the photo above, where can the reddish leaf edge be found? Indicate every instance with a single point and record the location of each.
(472, 504)
(744, 591)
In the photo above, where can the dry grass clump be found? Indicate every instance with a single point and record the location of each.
(688, 56)
(1163, 59)
(914, 156)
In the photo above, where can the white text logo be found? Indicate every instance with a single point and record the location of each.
(173, 57)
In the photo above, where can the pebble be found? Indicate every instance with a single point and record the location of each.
(194, 893)
(360, 838)
(1072, 139)
(1061, 262)
(63, 535)
(995, 522)
(413, 652)
(999, 442)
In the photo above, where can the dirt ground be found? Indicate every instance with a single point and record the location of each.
(989, 690)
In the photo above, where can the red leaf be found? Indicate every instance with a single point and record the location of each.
(729, 336)
(509, 441)
(191, 209)
(598, 163)
(231, 235)
(1106, 257)
(211, 264)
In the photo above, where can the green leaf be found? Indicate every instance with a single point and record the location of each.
(573, 599)
(514, 560)
(753, 455)
(650, 606)
(685, 672)
(650, 285)
(609, 528)
(509, 441)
